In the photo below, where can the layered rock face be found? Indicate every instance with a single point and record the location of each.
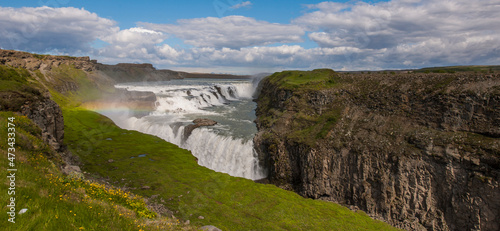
(99, 73)
(38, 107)
(420, 151)
(32, 62)
(48, 116)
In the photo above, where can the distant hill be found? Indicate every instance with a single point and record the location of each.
(453, 69)
(215, 76)
(484, 69)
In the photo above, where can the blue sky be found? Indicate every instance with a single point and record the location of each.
(128, 12)
(235, 36)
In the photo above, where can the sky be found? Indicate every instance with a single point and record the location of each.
(248, 37)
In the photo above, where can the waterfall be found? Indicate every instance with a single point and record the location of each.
(226, 147)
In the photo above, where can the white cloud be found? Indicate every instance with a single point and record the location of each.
(135, 35)
(45, 29)
(138, 45)
(395, 34)
(231, 31)
(410, 32)
(243, 4)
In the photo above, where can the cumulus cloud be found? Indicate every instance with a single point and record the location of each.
(413, 32)
(138, 45)
(243, 4)
(349, 36)
(231, 32)
(135, 35)
(46, 29)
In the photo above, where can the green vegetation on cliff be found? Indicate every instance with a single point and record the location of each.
(70, 86)
(454, 69)
(307, 80)
(310, 123)
(16, 87)
(13, 74)
(383, 141)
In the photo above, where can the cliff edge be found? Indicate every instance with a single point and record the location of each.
(420, 151)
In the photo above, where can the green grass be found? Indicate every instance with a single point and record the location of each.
(16, 81)
(6, 85)
(229, 203)
(58, 202)
(14, 74)
(21, 92)
(315, 79)
(454, 69)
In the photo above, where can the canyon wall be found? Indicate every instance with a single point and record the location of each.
(420, 151)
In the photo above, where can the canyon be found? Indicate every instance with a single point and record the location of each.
(418, 150)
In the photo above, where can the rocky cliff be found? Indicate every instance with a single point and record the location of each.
(420, 151)
(122, 72)
(39, 108)
(33, 62)
(129, 72)
(32, 101)
(48, 116)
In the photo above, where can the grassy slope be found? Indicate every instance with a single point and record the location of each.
(55, 201)
(172, 173)
(228, 202)
(58, 202)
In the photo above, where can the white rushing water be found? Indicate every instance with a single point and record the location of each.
(226, 147)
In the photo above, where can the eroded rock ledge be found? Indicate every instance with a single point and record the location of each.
(420, 151)
(196, 124)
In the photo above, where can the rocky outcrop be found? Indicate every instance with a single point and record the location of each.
(196, 124)
(99, 73)
(40, 109)
(128, 72)
(33, 62)
(48, 116)
(420, 151)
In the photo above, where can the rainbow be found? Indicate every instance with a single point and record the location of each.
(105, 107)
